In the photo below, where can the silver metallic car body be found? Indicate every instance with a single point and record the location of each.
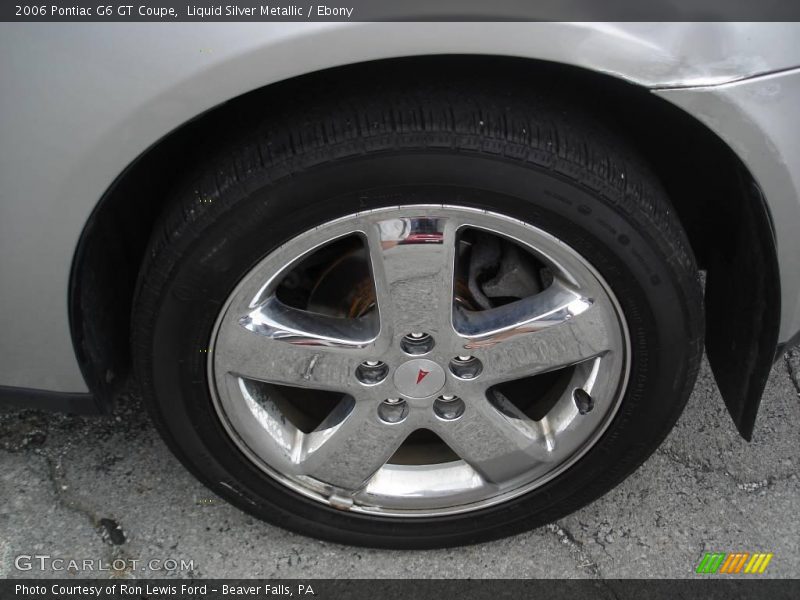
(80, 102)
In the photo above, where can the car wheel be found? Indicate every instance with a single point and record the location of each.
(418, 319)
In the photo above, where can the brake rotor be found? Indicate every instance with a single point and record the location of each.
(350, 274)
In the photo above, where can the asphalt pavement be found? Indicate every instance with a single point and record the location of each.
(106, 489)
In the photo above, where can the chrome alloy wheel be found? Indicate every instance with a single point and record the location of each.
(416, 356)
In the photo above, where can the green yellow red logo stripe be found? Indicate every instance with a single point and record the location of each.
(734, 562)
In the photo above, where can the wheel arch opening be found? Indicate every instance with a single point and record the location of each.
(717, 200)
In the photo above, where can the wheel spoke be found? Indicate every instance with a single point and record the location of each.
(554, 329)
(497, 445)
(278, 321)
(413, 264)
(264, 357)
(347, 456)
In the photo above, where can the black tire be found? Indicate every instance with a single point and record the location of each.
(512, 153)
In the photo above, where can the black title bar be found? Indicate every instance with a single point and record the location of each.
(708, 588)
(401, 10)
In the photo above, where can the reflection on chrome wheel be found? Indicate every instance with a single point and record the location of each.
(418, 361)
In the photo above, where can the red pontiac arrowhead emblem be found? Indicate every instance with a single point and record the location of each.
(421, 375)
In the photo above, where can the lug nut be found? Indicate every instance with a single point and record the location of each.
(448, 407)
(466, 367)
(417, 343)
(371, 372)
(393, 410)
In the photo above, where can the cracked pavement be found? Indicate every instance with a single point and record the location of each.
(108, 488)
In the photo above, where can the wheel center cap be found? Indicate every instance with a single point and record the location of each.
(419, 378)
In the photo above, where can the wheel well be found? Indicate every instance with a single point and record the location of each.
(716, 198)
